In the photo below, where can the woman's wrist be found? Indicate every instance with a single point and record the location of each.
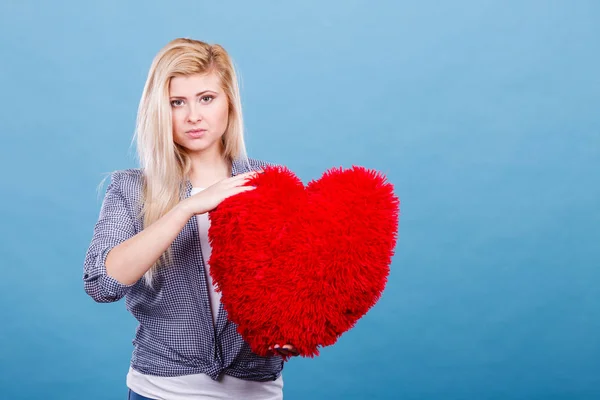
(182, 208)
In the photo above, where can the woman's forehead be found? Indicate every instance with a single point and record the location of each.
(185, 85)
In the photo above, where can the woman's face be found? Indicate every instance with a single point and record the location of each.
(199, 109)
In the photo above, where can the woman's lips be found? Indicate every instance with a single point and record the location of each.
(196, 133)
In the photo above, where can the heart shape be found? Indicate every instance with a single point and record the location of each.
(301, 265)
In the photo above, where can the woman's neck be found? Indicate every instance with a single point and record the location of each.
(209, 168)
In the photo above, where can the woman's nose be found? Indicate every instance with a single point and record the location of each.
(194, 115)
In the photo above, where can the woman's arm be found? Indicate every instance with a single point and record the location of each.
(118, 256)
(130, 260)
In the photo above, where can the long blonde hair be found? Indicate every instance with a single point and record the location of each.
(164, 163)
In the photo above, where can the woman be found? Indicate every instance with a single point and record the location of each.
(150, 242)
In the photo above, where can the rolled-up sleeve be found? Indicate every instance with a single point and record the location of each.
(114, 226)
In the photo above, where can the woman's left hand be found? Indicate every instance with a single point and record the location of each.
(285, 350)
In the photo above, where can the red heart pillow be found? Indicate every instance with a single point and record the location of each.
(301, 265)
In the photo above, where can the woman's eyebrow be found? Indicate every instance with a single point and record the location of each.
(197, 94)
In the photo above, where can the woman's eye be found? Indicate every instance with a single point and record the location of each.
(176, 103)
(206, 97)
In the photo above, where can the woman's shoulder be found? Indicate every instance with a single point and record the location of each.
(127, 181)
(127, 175)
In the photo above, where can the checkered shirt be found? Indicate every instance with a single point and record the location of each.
(176, 334)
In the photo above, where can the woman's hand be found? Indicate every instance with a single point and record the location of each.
(208, 199)
(286, 350)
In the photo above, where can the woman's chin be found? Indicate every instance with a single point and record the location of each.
(200, 146)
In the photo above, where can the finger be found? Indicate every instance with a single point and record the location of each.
(246, 175)
(237, 190)
(236, 183)
(283, 352)
(240, 189)
(291, 349)
(239, 180)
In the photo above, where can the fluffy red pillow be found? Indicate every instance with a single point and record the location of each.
(301, 265)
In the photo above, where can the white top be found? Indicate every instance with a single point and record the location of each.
(203, 225)
(201, 386)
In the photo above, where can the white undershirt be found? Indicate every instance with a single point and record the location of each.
(201, 386)
(203, 226)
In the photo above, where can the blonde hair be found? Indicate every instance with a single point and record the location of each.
(164, 163)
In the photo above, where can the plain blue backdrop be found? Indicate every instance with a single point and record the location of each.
(483, 114)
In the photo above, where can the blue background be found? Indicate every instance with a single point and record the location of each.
(483, 114)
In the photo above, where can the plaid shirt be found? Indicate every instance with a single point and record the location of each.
(176, 334)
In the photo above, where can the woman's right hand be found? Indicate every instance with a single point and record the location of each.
(208, 199)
